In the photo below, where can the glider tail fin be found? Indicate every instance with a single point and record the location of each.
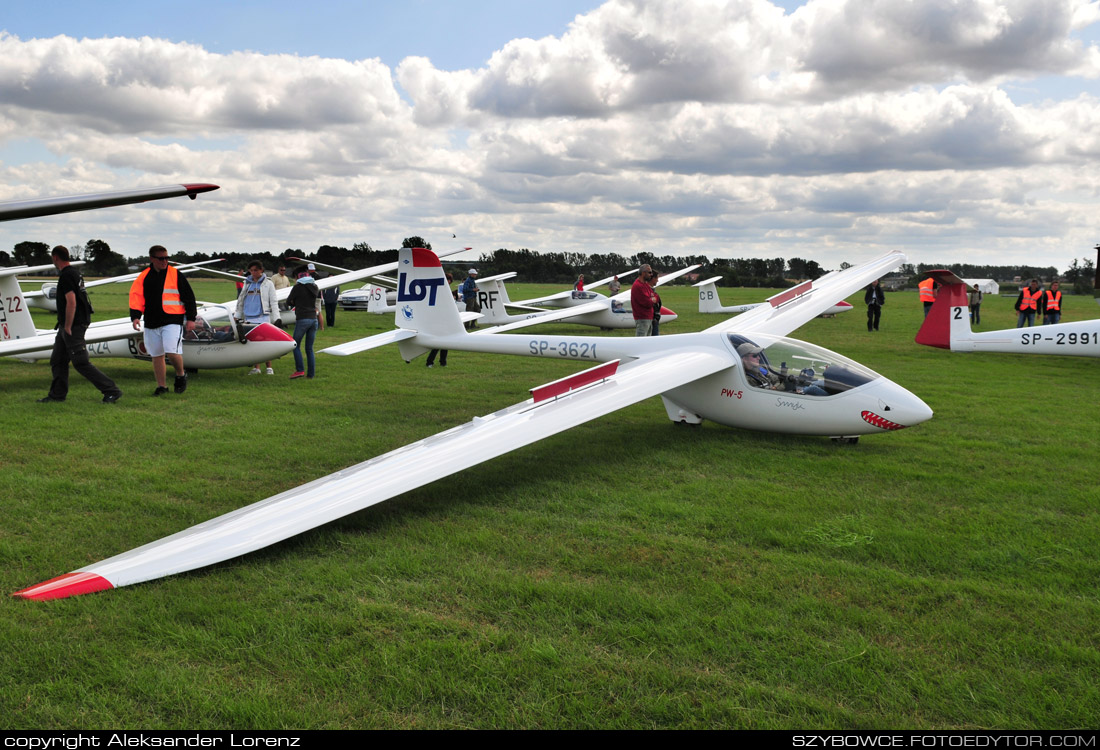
(948, 322)
(15, 319)
(376, 299)
(424, 302)
(708, 298)
(492, 298)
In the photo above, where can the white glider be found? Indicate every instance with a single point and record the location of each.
(710, 303)
(582, 308)
(947, 326)
(698, 375)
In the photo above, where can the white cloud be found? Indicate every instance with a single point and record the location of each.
(844, 127)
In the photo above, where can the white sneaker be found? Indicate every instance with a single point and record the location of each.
(254, 371)
(270, 371)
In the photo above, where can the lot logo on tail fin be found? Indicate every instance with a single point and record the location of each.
(418, 289)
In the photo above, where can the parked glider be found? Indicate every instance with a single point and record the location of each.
(45, 298)
(698, 375)
(17, 332)
(581, 308)
(948, 327)
(709, 302)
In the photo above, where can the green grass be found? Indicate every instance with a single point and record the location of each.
(629, 573)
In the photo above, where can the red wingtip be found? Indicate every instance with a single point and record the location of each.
(199, 187)
(70, 584)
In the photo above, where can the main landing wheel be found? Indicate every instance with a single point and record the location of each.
(846, 440)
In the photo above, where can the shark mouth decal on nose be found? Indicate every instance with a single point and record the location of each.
(885, 424)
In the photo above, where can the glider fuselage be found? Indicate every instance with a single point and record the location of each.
(856, 400)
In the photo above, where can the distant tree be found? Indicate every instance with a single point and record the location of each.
(102, 260)
(1085, 280)
(76, 252)
(334, 256)
(416, 242)
(31, 253)
(5, 258)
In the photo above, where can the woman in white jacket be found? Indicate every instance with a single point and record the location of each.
(258, 303)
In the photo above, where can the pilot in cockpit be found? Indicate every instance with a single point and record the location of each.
(760, 374)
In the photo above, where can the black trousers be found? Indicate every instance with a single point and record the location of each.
(71, 348)
(330, 314)
(874, 312)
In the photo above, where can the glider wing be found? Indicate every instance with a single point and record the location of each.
(328, 498)
(29, 209)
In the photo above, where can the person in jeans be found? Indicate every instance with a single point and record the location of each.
(303, 298)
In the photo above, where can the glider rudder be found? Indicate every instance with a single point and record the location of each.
(936, 329)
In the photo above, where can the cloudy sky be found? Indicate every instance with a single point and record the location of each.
(957, 130)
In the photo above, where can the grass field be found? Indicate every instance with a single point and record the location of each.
(629, 573)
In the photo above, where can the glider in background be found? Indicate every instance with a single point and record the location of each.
(582, 308)
(713, 374)
(46, 297)
(948, 327)
(709, 302)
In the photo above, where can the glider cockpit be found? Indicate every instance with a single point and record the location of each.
(793, 366)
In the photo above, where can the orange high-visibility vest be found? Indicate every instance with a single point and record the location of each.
(926, 293)
(1054, 300)
(1030, 301)
(170, 299)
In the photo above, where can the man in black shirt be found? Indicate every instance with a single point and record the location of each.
(73, 317)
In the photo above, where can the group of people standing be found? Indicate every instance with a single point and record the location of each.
(258, 303)
(1034, 300)
(163, 297)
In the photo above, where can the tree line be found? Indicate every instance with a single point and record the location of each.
(553, 267)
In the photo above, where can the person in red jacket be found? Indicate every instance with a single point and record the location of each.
(642, 300)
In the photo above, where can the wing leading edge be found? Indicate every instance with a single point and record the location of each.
(29, 209)
(800, 304)
(376, 480)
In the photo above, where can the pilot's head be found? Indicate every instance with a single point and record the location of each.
(750, 354)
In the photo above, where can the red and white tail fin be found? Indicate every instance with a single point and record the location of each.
(948, 322)
(15, 319)
(424, 302)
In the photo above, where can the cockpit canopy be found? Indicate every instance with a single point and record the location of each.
(799, 363)
(212, 324)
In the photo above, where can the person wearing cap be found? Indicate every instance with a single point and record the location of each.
(468, 291)
(760, 375)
